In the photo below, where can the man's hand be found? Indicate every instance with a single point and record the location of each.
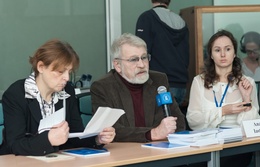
(168, 125)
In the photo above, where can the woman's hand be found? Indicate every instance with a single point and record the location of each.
(245, 88)
(235, 108)
(106, 136)
(59, 134)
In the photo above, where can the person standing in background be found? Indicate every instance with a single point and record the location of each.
(250, 44)
(167, 37)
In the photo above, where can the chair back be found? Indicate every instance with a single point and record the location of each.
(85, 107)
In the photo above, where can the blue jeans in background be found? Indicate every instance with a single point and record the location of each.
(179, 94)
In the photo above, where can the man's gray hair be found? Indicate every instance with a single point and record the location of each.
(126, 38)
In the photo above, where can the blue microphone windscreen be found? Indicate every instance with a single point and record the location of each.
(163, 98)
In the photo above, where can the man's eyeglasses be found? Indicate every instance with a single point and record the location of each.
(256, 51)
(136, 59)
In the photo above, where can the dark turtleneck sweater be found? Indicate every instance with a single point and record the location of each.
(136, 91)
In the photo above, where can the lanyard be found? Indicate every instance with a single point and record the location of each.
(223, 96)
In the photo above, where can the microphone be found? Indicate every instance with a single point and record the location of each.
(163, 99)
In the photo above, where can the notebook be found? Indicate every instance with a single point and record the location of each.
(164, 145)
(86, 152)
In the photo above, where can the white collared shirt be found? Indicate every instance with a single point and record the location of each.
(203, 113)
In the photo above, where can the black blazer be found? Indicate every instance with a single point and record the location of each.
(22, 116)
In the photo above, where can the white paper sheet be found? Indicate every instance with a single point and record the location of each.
(54, 119)
(104, 117)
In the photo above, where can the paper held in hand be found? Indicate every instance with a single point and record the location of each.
(54, 119)
(104, 117)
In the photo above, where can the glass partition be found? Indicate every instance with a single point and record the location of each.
(238, 23)
(204, 21)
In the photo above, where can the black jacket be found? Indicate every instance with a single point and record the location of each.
(22, 116)
(169, 48)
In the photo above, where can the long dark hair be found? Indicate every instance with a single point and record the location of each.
(209, 72)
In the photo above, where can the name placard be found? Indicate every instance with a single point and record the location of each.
(252, 128)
